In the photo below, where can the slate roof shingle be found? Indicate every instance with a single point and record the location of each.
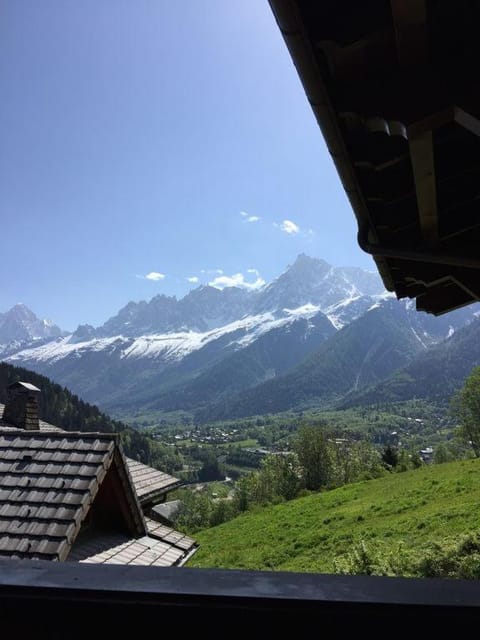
(47, 483)
(150, 483)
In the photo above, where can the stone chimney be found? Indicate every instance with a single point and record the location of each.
(21, 409)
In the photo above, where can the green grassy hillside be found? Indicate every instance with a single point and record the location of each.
(403, 515)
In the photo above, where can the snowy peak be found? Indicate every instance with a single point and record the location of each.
(170, 346)
(314, 281)
(368, 283)
(20, 324)
(307, 281)
(138, 318)
(82, 333)
(206, 307)
(202, 309)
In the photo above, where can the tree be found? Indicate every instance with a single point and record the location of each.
(281, 476)
(390, 456)
(315, 457)
(211, 469)
(277, 479)
(465, 406)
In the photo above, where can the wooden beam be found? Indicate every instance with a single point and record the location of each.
(450, 115)
(409, 19)
(433, 300)
(421, 155)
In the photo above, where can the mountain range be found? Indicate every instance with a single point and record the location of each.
(315, 336)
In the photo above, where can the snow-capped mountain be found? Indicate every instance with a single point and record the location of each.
(314, 281)
(344, 293)
(20, 325)
(211, 342)
(202, 309)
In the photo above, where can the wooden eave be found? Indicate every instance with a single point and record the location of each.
(393, 85)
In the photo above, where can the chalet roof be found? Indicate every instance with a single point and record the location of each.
(393, 85)
(162, 547)
(121, 549)
(49, 480)
(150, 484)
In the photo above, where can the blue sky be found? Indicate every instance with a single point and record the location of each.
(155, 138)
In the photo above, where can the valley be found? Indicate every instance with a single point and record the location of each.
(217, 388)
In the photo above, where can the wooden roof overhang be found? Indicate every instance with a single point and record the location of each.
(150, 484)
(394, 87)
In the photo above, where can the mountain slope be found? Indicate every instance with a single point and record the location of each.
(61, 408)
(433, 375)
(271, 354)
(362, 353)
(120, 371)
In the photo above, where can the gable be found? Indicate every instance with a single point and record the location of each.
(48, 482)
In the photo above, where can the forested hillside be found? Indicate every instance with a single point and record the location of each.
(62, 408)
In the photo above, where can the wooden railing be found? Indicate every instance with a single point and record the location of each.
(69, 600)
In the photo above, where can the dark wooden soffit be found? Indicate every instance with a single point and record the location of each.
(395, 89)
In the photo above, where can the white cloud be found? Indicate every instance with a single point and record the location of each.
(155, 276)
(212, 271)
(289, 227)
(248, 217)
(255, 271)
(193, 279)
(237, 280)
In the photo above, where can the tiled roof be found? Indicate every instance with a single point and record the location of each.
(162, 546)
(121, 549)
(169, 535)
(150, 483)
(47, 483)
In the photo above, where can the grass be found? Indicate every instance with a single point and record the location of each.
(404, 511)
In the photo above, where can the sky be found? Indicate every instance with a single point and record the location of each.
(152, 146)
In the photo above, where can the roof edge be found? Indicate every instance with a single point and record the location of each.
(293, 32)
(130, 492)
